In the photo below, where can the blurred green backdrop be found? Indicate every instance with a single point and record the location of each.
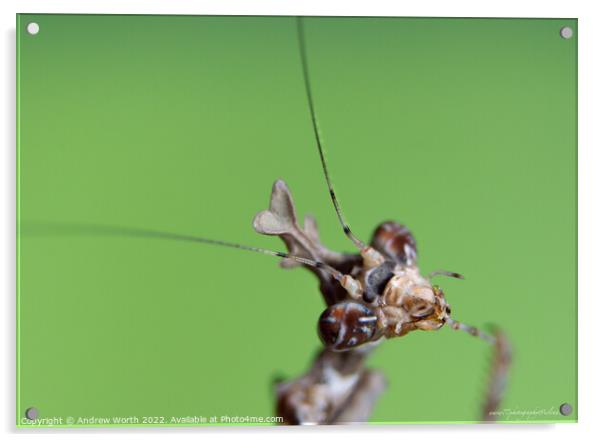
(464, 129)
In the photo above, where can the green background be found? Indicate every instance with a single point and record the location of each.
(463, 129)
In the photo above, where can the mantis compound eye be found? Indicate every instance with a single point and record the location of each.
(346, 325)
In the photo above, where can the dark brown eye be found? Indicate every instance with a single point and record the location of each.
(395, 242)
(346, 325)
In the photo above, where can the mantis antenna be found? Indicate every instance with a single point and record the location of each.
(82, 229)
(301, 37)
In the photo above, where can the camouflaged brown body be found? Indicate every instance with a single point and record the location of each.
(381, 295)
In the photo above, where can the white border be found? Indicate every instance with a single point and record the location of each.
(589, 206)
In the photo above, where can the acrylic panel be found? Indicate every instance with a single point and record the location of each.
(139, 134)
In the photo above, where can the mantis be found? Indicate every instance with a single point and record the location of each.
(375, 294)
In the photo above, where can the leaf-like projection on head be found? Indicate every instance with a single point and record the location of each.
(280, 218)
